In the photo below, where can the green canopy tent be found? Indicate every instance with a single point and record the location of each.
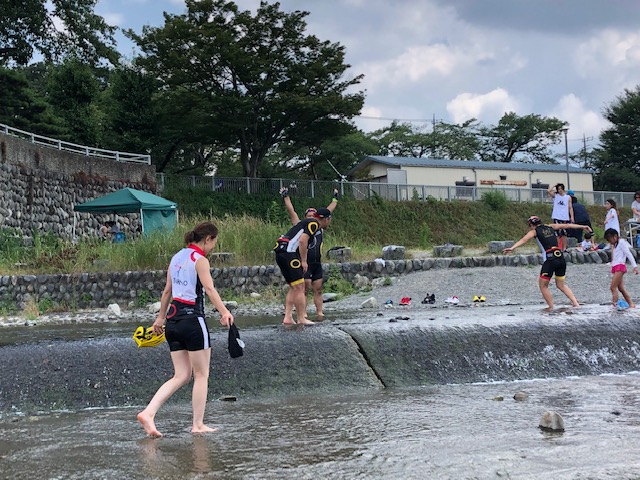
(156, 213)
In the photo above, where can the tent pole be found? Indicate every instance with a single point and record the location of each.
(141, 222)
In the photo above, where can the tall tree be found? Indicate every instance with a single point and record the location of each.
(618, 159)
(23, 108)
(54, 29)
(529, 136)
(73, 89)
(445, 140)
(250, 82)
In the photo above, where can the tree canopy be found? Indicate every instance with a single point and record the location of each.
(54, 29)
(618, 158)
(249, 82)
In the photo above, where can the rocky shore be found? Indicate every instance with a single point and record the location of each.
(500, 285)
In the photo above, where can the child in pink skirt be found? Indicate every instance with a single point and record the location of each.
(620, 253)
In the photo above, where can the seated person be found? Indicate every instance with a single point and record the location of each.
(587, 245)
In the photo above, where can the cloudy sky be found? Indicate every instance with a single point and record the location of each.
(458, 59)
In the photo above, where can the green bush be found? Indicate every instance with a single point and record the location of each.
(495, 200)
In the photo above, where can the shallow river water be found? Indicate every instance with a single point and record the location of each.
(445, 431)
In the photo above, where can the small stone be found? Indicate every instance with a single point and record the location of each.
(520, 396)
(499, 398)
(228, 398)
(370, 302)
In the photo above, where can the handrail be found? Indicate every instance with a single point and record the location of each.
(125, 157)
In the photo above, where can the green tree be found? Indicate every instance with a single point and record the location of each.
(23, 108)
(617, 161)
(249, 82)
(73, 91)
(130, 111)
(529, 136)
(27, 27)
(449, 141)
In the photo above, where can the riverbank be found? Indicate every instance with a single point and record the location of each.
(499, 285)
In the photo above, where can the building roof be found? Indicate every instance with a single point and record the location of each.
(444, 163)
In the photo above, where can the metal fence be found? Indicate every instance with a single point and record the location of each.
(72, 147)
(364, 190)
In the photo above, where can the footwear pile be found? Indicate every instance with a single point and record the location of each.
(453, 300)
(405, 301)
(479, 298)
(431, 299)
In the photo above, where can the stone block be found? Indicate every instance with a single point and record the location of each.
(221, 257)
(498, 246)
(339, 253)
(570, 242)
(447, 250)
(393, 252)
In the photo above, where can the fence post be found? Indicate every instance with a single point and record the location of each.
(248, 185)
(313, 190)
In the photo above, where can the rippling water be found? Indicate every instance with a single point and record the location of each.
(451, 431)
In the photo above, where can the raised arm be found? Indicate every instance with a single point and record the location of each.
(334, 201)
(552, 191)
(284, 191)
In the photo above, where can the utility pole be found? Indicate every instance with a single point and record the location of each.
(584, 149)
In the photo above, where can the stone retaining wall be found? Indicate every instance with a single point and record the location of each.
(98, 290)
(39, 187)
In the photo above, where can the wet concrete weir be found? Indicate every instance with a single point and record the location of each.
(360, 353)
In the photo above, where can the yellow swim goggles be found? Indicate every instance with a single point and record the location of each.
(145, 337)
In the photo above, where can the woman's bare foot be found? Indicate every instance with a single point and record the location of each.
(203, 429)
(306, 321)
(148, 424)
(288, 321)
(319, 317)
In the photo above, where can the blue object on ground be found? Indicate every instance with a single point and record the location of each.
(622, 305)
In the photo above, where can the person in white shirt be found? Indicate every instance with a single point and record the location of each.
(611, 218)
(620, 253)
(587, 244)
(635, 206)
(562, 210)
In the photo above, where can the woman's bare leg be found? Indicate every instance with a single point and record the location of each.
(181, 376)
(200, 361)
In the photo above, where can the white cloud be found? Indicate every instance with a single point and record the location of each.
(582, 121)
(115, 19)
(485, 107)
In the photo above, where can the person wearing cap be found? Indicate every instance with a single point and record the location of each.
(562, 210)
(291, 252)
(313, 277)
(553, 258)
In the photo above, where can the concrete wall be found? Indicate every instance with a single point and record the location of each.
(40, 185)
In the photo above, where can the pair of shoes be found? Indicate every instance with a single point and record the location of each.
(480, 298)
(389, 302)
(430, 298)
(405, 301)
(453, 300)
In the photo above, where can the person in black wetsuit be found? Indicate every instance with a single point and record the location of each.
(291, 251)
(313, 278)
(554, 262)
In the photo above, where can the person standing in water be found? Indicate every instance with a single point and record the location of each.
(554, 262)
(313, 277)
(182, 318)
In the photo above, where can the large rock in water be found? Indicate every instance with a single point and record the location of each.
(552, 422)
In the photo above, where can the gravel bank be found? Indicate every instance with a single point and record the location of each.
(500, 286)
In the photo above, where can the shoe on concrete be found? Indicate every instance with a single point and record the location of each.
(453, 300)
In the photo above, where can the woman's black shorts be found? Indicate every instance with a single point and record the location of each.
(187, 333)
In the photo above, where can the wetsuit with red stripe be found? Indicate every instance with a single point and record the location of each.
(554, 262)
(186, 327)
